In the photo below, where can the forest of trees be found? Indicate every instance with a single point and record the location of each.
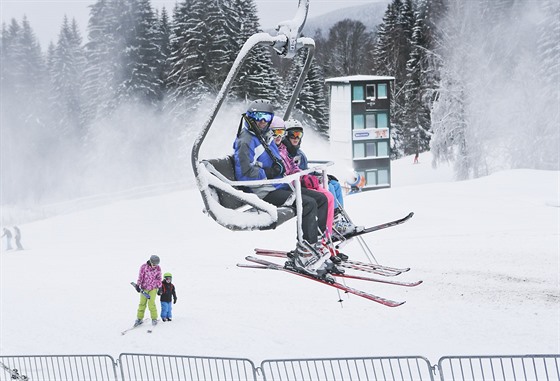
(475, 82)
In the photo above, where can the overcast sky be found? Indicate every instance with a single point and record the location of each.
(45, 16)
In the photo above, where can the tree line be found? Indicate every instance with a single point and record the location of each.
(135, 88)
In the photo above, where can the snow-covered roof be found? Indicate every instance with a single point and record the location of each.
(357, 78)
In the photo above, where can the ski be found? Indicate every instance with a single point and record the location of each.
(386, 281)
(375, 228)
(348, 276)
(377, 266)
(141, 290)
(363, 294)
(151, 329)
(133, 327)
(14, 373)
(350, 264)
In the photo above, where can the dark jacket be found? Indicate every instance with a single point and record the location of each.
(167, 291)
(296, 154)
(251, 158)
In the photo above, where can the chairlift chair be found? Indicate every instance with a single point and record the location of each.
(223, 196)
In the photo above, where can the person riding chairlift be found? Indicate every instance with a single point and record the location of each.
(256, 157)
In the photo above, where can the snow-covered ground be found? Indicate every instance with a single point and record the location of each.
(487, 251)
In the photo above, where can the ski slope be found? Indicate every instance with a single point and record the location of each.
(486, 249)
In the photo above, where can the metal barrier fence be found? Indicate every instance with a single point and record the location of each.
(58, 368)
(357, 368)
(142, 367)
(152, 367)
(500, 368)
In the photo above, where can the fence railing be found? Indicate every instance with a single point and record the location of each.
(358, 368)
(500, 368)
(154, 367)
(58, 368)
(141, 367)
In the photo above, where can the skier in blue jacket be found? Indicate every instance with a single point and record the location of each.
(256, 157)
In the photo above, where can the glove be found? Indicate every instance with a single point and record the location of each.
(159, 292)
(174, 300)
(138, 288)
(274, 171)
(332, 178)
(310, 182)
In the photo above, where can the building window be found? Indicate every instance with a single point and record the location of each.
(383, 149)
(358, 93)
(359, 150)
(371, 149)
(377, 120)
(370, 120)
(382, 120)
(382, 91)
(359, 122)
(371, 177)
(370, 92)
(382, 176)
(365, 149)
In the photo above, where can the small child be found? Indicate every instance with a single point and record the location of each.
(167, 291)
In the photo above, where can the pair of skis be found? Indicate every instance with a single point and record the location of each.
(150, 330)
(258, 263)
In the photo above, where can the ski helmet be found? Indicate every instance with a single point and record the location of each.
(294, 127)
(167, 275)
(294, 123)
(277, 122)
(261, 105)
(154, 260)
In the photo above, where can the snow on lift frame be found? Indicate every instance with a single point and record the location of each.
(224, 199)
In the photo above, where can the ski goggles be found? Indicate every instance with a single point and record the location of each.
(295, 134)
(260, 115)
(278, 132)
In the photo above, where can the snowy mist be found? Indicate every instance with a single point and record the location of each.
(498, 105)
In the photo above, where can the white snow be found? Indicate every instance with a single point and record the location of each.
(487, 251)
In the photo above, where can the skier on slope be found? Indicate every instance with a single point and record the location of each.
(8, 234)
(167, 292)
(149, 280)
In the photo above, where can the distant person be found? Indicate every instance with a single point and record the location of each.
(8, 234)
(149, 280)
(18, 238)
(416, 158)
(167, 292)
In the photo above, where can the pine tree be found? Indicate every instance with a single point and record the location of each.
(312, 101)
(102, 54)
(257, 78)
(348, 49)
(163, 42)
(66, 67)
(138, 79)
(422, 79)
(26, 133)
